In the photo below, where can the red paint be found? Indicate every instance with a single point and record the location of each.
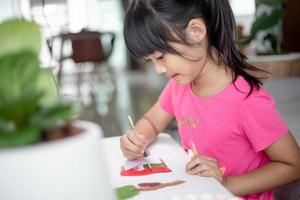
(135, 171)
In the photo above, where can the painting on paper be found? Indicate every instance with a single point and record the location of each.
(142, 167)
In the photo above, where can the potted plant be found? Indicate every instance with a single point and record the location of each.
(44, 154)
(268, 32)
(267, 27)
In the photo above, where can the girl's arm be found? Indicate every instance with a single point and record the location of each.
(133, 143)
(283, 168)
(153, 122)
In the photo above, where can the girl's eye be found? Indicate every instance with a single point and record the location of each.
(148, 59)
(160, 57)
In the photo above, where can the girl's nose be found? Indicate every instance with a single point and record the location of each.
(160, 69)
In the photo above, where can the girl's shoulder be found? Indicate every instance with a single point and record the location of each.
(243, 87)
(259, 97)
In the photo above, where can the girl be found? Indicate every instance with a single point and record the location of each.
(219, 106)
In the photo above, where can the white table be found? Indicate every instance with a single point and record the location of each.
(175, 157)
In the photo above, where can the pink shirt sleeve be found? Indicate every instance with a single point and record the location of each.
(261, 122)
(165, 98)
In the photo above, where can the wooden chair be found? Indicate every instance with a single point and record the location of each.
(87, 46)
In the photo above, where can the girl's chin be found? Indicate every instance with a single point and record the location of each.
(182, 81)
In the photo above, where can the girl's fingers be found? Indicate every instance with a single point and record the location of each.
(200, 167)
(196, 160)
(136, 139)
(212, 173)
(210, 159)
(132, 145)
(129, 154)
(204, 166)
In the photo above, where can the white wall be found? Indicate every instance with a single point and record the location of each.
(9, 9)
(100, 15)
(243, 7)
(244, 11)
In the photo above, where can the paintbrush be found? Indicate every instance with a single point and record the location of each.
(194, 150)
(145, 153)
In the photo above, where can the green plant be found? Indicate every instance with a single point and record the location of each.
(265, 23)
(29, 102)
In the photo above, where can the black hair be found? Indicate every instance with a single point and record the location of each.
(151, 24)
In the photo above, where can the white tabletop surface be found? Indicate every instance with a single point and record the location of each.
(176, 158)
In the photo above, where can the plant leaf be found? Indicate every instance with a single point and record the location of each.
(24, 136)
(50, 117)
(266, 21)
(273, 41)
(268, 2)
(47, 84)
(6, 126)
(18, 75)
(18, 35)
(246, 40)
(20, 110)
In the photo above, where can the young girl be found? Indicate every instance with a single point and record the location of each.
(219, 106)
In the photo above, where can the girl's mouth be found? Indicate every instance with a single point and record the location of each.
(173, 76)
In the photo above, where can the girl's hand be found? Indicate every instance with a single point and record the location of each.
(132, 145)
(204, 166)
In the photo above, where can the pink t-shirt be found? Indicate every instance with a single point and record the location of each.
(228, 126)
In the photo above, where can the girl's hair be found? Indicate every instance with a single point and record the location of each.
(151, 24)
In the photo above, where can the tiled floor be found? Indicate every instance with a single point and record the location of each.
(108, 98)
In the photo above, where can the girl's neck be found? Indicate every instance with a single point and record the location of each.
(213, 79)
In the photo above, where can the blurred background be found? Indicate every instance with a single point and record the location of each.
(83, 47)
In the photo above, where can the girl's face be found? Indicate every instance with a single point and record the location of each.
(183, 69)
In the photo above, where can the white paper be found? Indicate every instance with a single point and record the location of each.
(175, 158)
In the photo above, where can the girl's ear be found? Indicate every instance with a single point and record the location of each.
(196, 30)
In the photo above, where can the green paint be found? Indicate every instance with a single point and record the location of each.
(126, 192)
(154, 165)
